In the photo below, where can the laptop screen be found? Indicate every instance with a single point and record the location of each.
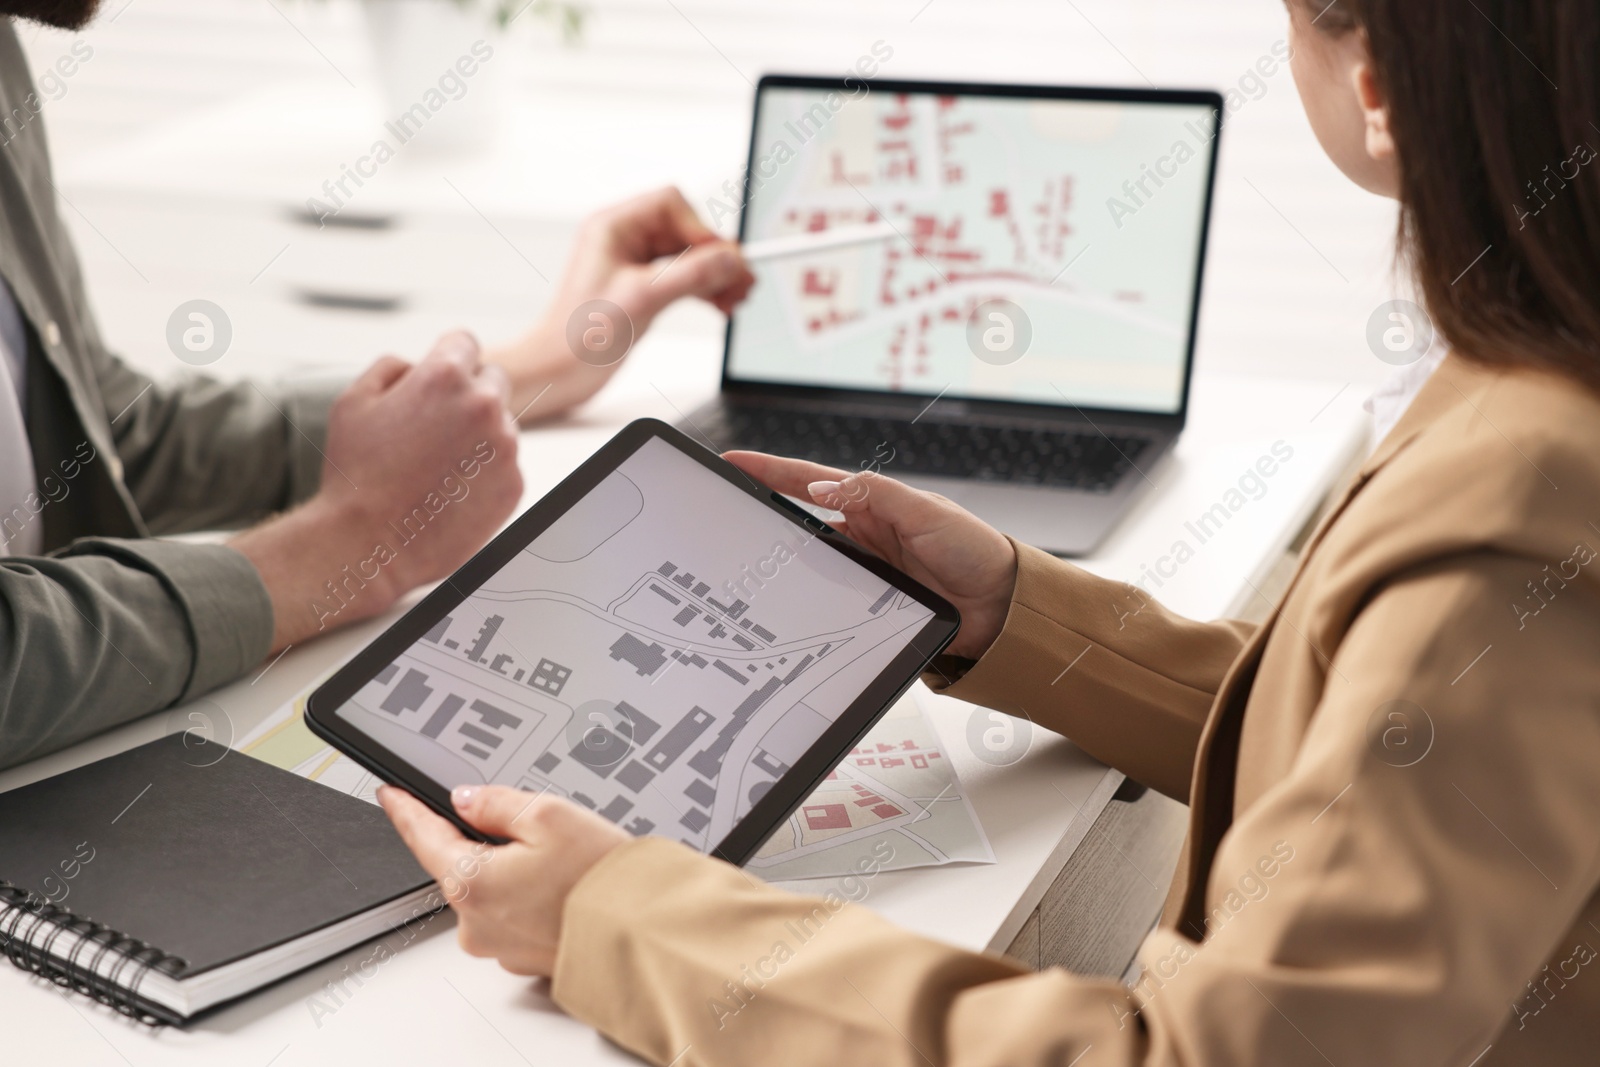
(1028, 248)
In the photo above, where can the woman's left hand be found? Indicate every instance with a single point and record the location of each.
(508, 899)
(628, 264)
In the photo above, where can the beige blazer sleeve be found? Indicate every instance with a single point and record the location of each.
(1103, 663)
(1361, 908)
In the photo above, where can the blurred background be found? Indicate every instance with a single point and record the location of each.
(229, 151)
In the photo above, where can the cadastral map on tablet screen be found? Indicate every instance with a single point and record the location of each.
(661, 654)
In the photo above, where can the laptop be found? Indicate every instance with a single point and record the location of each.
(988, 291)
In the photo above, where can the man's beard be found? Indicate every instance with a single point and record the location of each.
(67, 14)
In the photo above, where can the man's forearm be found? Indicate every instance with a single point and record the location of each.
(547, 380)
(322, 567)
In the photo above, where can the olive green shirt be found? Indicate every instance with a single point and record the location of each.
(110, 624)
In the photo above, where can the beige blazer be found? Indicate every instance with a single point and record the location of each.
(1394, 787)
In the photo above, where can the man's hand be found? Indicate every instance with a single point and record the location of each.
(508, 899)
(941, 545)
(420, 471)
(638, 257)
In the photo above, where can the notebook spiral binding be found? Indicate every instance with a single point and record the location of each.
(24, 914)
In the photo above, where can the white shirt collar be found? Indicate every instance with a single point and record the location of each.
(1391, 399)
(19, 528)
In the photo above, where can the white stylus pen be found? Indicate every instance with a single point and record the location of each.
(820, 241)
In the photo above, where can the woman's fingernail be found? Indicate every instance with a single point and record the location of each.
(818, 490)
(461, 796)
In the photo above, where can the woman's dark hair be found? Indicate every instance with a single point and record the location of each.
(1495, 111)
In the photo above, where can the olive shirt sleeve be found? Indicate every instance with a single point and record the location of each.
(1414, 899)
(107, 630)
(201, 454)
(104, 631)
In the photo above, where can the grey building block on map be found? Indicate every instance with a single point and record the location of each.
(683, 734)
(646, 659)
(601, 751)
(730, 672)
(410, 693)
(550, 677)
(634, 776)
(442, 715)
(634, 724)
(701, 792)
(618, 807)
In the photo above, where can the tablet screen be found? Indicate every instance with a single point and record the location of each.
(662, 653)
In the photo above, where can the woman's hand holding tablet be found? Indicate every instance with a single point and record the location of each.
(937, 542)
(509, 908)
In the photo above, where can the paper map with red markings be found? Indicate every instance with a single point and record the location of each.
(898, 786)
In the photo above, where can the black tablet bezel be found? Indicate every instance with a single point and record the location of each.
(786, 794)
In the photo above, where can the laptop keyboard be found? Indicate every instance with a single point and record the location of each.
(1061, 458)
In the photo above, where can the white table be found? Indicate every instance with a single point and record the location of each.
(430, 1003)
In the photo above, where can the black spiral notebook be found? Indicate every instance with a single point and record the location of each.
(180, 875)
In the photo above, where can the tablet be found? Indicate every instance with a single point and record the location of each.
(659, 639)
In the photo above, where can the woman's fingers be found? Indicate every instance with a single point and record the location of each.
(712, 271)
(890, 501)
(791, 477)
(495, 809)
(659, 223)
(438, 846)
(848, 492)
(851, 494)
(666, 216)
